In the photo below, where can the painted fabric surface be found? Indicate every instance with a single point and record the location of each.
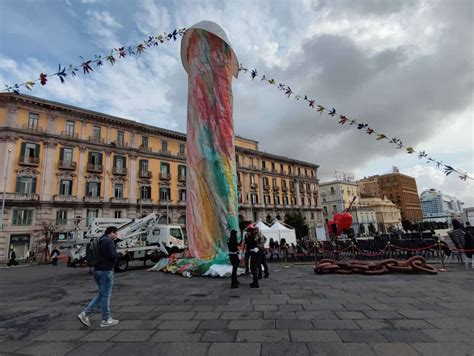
(211, 183)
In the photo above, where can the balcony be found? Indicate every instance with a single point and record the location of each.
(181, 178)
(119, 144)
(65, 198)
(145, 148)
(69, 134)
(70, 165)
(292, 189)
(276, 188)
(29, 161)
(20, 196)
(92, 199)
(165, 176)
(95, 168)
(32, 128)
(96, 139)
(144, 174)
(264, 169)
(145, 201)
(266, 186)
(181, 155)
(182, 203)
(119, 200)
(284, 188)
(165, 152)
(120, 171)
(254, 185)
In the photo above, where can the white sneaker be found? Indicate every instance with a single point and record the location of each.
(84, 319)
(108, 322)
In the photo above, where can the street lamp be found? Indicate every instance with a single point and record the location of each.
(5, 178)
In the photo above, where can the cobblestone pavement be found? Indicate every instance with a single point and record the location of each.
(295, 312)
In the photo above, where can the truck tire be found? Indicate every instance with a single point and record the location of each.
(122, 265)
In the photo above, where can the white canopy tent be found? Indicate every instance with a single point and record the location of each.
(279, 230)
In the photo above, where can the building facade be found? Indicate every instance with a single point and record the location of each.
(388, 216)
(63, 165)
(336, 196)
(439, 207)
(397, 187)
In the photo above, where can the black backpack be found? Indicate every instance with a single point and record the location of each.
(93, 252)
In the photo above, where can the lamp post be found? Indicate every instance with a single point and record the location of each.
(5, 179)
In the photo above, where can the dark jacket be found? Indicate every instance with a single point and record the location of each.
(108, 254)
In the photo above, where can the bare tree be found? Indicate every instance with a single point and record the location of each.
(45, 236)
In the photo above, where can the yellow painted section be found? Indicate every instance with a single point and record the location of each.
(3, 116)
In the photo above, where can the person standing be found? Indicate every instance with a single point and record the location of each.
(55, 256)
(233, 246)
(261, 239)
(104, 278)
(248, 233)
(12, 260)
(254, 256)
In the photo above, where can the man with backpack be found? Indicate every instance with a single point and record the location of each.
(102, 255)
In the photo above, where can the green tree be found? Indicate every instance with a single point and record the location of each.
(296, 220)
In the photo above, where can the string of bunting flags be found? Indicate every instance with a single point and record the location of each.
(361, 126)
(87, 66)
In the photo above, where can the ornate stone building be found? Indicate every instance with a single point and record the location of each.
(63, 165)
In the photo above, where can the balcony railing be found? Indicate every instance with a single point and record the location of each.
(266, 186)
(67, 165)
(144, 174)
(119, 200)
(284, 189)
(29, 161)
(254, 185)
(182, 178)
(20, 196)
(181, 202)
(145, 201)
(121, 171)
(120, 144)
(165, 175)
(32, 128)
(92, 199)
(181, 154)
(70, 134)
(276, 188)
(65, 198)
(165, 152)
(265, 169)
(96, 168)
(145, 148)
(96, 139)
(292, 189)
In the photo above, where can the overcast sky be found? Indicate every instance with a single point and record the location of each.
(404, 67)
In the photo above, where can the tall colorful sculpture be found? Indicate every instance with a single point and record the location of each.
(211, 180)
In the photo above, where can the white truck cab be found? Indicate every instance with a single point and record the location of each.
(170, 235)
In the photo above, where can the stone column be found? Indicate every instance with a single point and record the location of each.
(82, 169)
(48, 167)
(107, 175)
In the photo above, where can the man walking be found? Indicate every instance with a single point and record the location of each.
(104, 278)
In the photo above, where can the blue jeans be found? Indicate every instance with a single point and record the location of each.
(105, 281)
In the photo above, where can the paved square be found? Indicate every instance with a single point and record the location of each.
(295, 312)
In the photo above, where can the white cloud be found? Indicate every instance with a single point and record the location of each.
(151, 19)
(103, 26)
